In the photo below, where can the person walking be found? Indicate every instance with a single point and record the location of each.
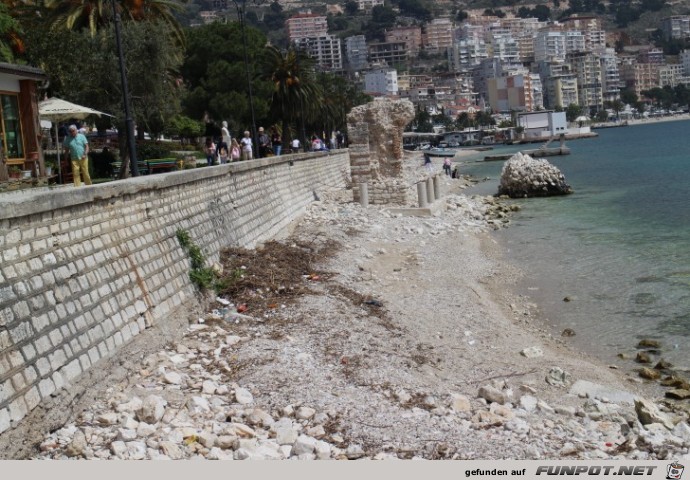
(446, 166)
(210, 151)
(223, 152)
(246, 146)
(295, 145)
(225, 133)
(77, 147)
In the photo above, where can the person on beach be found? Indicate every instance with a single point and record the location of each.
(210, 151)
(246, 146)
(446, 166)
(77, 147)
(427, 163)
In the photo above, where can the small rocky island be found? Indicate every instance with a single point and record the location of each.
(523, 176)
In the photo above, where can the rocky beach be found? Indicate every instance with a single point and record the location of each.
(402, 340)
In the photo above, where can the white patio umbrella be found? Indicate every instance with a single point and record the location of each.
(57, 110)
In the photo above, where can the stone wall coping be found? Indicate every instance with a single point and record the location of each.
(33, 201)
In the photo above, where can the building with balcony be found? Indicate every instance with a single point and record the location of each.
(438, 35)
(367, 6)
(305, 25)
(411, 36)
(511, 92)
(325, 50)
(549, 46)
(388, 53)
(587, 68)
(383, 81)
(676, 27)
(560, 91)
(356, 52)
(610, 75)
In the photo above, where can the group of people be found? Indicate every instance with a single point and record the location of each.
(228, 149)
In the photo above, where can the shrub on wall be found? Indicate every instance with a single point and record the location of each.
(100, 163)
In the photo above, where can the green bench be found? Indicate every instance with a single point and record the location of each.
(161, 164)
(141, 166)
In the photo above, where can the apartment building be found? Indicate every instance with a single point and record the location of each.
(549, 46)
(383, 81)
(511, 92)
(591, 28)
(684, 58)
(356, 52)
(675, 27)
(367, 6)
(388, 53)
(610, 75)
(438, 35)
(639, 76)
(671, 75)
(412, 36)
(325, 50)
(560, 91)
(574, 41)
(305, 25)
(466, 54)
(587, 68)
(504, 47)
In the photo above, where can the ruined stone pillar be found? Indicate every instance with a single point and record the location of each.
(421, 194)
(360, 168)
(430, 190)
(437, 186)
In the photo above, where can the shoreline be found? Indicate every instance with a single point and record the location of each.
(409, 346)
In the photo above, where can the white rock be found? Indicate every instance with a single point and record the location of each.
(286, 435)
(243, 396)
(304, 444)
(109, 418)
(354, 452)
(304, 413)
(322, 450)
(460, 403)
(197, 405)
(152, 409)
(209, 387)
(207, 439)
(528, 402)
(172, 378)
(232, 340)
(532, 352)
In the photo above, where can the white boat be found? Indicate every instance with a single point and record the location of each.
(441, 152)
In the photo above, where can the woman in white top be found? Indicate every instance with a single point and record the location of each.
(246, 143)
(225, 133)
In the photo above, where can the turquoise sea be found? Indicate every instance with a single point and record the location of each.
(619, 247)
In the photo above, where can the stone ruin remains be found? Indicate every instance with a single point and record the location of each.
(523, 176)
(376, 154)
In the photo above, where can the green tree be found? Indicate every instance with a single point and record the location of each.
(573, 111)
(351, 8)
(616, 105)
(629, 96)
(215, 75)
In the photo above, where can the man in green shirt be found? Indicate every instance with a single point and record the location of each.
(77, 146)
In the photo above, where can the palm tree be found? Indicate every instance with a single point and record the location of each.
(294, 91)
(95, 14)
(10, 42)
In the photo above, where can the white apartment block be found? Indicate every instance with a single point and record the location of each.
(467, 54)
(383, 81)
(684, 58)
(677, 26)
(325, 50)
(367, 6)
(610, 75)
(505, 48)
(671, 75)
(549, 46)
(574, 41)
(305, 25)
(356, 52)
(438, 35)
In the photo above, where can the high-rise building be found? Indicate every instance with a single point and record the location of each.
(412, 36)
(549, 46)
(356, 52)
(587, 68)
(324, 49)
(383, 81)
(676, 27)
(438, 35)
(305, 25)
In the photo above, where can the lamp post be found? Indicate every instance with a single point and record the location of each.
(132, 147)
(241, 6)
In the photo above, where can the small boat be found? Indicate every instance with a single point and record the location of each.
(441, 152)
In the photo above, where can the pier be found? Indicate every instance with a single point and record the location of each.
(543, 151)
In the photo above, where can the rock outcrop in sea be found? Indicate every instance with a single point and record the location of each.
(523, 176)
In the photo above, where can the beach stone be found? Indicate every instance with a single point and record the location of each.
(557, 377)
(523, 176)
(77, 446)
(109, 418)
(528, 402)
(649, 373)
(643, 357)
(460, 403)
(532, 352)
(304, 444)
(678, 394)
(649, 343)
(663, 365)
(353, 452)
(152, 409)
(492, 394)
(648, 412)
(304, 413)
(173, 378)
(243, 396)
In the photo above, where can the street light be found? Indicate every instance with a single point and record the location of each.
(125, 94)
(241, 6)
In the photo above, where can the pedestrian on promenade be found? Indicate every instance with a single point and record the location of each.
(77, 147)
(264, 143)
(235, 150)
(295, 145)
(246, 146)
(225, 133)
(276, 141)
(427, 163)
(210, 151)
(223, 155)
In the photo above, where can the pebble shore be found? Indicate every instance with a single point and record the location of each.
(437, 364)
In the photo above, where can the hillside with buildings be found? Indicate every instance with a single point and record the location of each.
(501, 56)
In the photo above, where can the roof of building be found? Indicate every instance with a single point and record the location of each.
(22, 71)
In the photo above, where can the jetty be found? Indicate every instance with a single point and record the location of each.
(543, 151)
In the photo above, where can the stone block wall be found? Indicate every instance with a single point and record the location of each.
(85, 270)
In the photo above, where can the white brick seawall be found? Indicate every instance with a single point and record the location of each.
(85, 270)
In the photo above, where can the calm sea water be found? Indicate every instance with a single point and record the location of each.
(619, 246)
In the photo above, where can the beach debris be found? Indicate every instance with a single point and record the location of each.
(532, 352)
(523, 176)
(491, 394)
(567, 299)
(557, 377)
(568, 332)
